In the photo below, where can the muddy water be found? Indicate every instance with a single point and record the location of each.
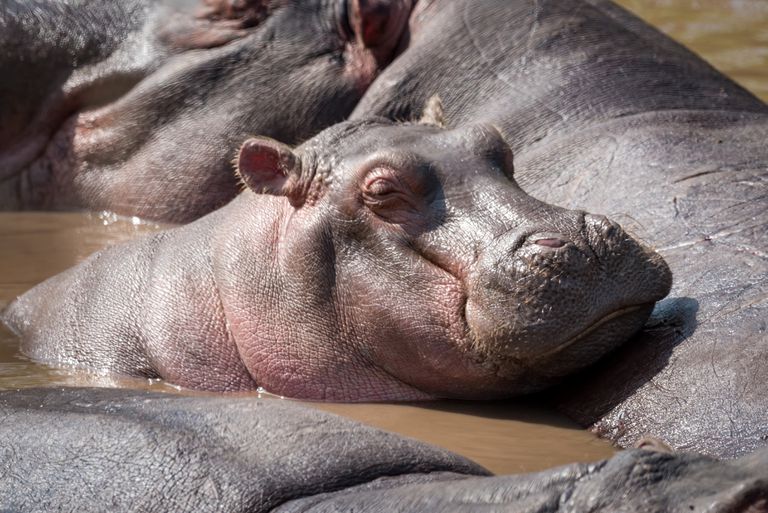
(35, 246)
(506, 437)
(731, 34)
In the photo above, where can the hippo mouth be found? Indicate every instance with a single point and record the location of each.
(594, 328)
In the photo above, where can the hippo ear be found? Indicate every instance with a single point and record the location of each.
(433, 113)
(269, 167)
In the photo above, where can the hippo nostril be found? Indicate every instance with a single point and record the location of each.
(550, 242)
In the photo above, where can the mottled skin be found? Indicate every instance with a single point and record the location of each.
(161, 453)
(136, 106)
(606, 114)
(382, 262)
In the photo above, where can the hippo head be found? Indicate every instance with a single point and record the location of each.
(407, 252)
(140, 119)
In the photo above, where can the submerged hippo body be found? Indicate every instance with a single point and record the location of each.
(163, 453)
(606, 114)
(136, 106)
(386, 261)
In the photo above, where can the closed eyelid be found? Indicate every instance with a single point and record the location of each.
(384, 182)
(411, 171)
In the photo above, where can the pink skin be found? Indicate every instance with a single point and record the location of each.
(277, 358)
(318, 313)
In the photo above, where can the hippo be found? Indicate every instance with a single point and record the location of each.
(135, 106)
(606, 114)
(158, 452)
(376, 261)
(603, 113)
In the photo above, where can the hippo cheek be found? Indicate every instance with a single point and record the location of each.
(408, 318)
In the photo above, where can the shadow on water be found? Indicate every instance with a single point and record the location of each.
(620, 374)
(504, 436)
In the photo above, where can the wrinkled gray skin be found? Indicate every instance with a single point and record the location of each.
(382, 262)
(161, 453)
(596, 104)
(121, 450)
(606, 114)
(137, 106)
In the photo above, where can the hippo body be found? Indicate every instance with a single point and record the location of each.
(158, 452)
(137, 106)
(342, 281)
(606, 114)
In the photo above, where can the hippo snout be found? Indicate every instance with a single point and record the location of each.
(635, 272)
(554, 301)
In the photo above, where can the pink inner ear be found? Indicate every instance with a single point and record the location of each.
(372, 19)
(380, 23)
(261, 166)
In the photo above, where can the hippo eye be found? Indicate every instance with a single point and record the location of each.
(379, 187)
(386, 195)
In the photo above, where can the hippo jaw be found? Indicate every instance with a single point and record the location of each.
(641, 311)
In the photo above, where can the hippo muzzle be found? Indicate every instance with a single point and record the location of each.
(544, 303)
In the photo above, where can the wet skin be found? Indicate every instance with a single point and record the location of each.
(606, 114)
(138, 106)
(595, 103)
(377, 261)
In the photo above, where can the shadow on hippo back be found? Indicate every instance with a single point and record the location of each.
(377, 261)
(672, 321)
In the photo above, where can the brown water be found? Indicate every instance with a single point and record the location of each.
(506, 437)
(35, 246)
(732, 35)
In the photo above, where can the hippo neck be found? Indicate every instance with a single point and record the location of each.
(262, 293)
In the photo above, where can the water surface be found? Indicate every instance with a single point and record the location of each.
(732, 35)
